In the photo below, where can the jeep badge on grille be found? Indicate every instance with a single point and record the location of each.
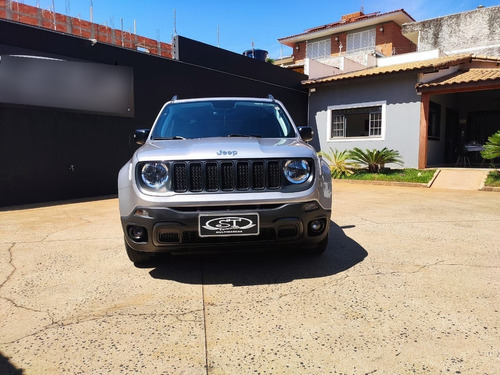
(227, 153)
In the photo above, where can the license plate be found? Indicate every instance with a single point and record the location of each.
(227, 225)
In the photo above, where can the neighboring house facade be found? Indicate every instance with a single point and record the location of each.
(425, 109)
(353, 43)
(431, 106)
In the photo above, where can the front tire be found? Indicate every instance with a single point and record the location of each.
(138, 257)
(320, 248)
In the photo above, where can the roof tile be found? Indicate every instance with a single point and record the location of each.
(437, 63)
(474, 75)
(344, 22)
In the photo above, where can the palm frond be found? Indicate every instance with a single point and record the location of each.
(492, 147)
(337, 161)
(375, 159)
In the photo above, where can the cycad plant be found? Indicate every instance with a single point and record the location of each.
(375, 159)
(337, 160)
(492, 147)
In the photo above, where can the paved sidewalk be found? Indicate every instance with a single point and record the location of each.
(460, 179)
(409, 284)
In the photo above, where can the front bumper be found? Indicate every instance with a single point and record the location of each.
(170, 230)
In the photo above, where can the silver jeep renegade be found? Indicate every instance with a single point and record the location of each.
(221, 173)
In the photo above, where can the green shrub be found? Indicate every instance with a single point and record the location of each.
(375, 159)
(337, 161)
(493, 179)
(492, 147)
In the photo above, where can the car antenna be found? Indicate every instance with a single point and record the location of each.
(174, 98)
(271, 97)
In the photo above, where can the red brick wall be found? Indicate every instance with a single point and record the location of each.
(299, 51)
(335, 48)
(15, 11)
(390, 41)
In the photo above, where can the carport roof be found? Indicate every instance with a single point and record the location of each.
(462, 79)
(422, 66)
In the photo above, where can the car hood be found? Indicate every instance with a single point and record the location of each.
(224, 148)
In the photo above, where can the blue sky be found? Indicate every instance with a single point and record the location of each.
(241, 22)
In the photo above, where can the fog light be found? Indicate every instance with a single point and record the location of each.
(317, 226)
(141, 212)
(137, 233)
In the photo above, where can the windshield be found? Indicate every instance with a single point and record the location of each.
(223, 118)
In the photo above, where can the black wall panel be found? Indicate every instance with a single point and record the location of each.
(51, 154)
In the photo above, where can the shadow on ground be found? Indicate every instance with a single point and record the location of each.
(260, 268)
(7, 368)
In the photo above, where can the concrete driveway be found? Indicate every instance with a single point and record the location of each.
(409, 284)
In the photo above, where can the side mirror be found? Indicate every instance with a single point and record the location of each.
(306, 132)
(141, 136)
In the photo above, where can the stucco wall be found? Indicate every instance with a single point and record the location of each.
(402, 121)
(475, 31)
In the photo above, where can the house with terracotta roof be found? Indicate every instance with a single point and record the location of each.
(428, 110)
(436, 109)
(352, 43)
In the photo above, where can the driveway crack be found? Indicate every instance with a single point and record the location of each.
(14, 269)
(90, 318)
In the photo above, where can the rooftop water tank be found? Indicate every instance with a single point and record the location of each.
(258, 54)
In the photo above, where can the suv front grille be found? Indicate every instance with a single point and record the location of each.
(238, 175)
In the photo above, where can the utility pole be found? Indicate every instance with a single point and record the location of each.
(175, 23)
(54, 14)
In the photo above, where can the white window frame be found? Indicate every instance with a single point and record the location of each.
(381, 123)
(361, 41)
(319, 49)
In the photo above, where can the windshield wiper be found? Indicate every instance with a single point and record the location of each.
(169, 138)
(244, 135)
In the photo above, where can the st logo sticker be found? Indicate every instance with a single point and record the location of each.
(230, 225)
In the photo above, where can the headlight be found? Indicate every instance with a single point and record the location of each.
(297, 171)
(154, 175)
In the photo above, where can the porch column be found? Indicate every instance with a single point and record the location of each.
(424, 117)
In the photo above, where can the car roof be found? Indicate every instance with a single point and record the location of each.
(225, 98)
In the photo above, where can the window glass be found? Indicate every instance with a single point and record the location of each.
(338, 126)
(375, 126)
(364, 40)
(318, 49)
(357, 122)
(223, 118)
